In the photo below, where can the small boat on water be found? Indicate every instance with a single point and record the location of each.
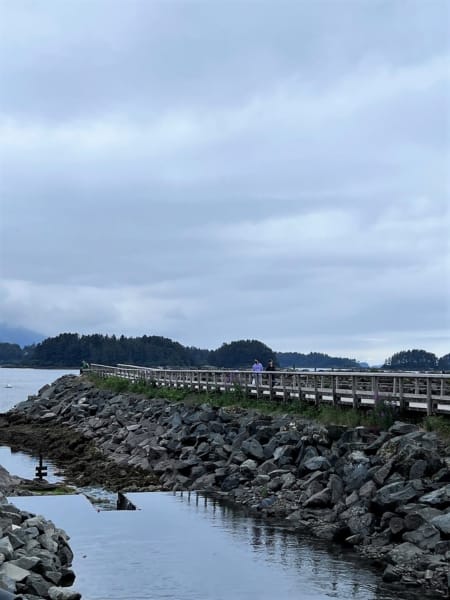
(8, 385)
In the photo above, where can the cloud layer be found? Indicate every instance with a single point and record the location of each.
(242, 170)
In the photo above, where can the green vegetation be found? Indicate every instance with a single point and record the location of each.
(241, 354)
(50, 490)
(384, 413)
(10, 354)
(440, 424)
(381, 417)
(444, 363)
(71, 350)
(414, 360)
(315, 360)
(148, 389)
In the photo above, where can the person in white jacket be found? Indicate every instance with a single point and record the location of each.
(257, 368)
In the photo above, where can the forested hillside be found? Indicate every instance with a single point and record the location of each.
(417, 360)
(10, 353)
(315, 360)
(72, 349)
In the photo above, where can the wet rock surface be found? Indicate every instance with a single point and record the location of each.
(387, 494)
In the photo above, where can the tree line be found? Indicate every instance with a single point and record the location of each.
(315, 360)
(72, 349)
(417, 360)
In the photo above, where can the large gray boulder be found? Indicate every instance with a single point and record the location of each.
(425, 537)
(442, 522)
(317, 463)
(253, 449)
(405, 553)
(59, 593)
(438, 497)
(397, 492)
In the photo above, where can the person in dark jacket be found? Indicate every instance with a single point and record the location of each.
(271, 367)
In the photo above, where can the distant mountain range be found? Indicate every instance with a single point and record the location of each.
(19, 335)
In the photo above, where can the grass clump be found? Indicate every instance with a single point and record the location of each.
(51, 490)
(144, 387)
(348, 417)
(440, 425)
(114, 384)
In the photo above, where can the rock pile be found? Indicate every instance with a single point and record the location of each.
(387, 494)
(35, 557)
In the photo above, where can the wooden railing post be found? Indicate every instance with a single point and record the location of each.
(354, 395)
(429, 398)
(316, 391)
(283, 385)
(333, 390)
(375, 390)
(401, 399)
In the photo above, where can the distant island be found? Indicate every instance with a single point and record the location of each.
(71, 349)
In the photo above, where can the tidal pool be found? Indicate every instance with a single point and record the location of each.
(186, 546)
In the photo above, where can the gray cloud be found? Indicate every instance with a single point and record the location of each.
(215, 172)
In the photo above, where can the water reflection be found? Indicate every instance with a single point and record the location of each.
(191, 547)
(304, 563)
(24, 465)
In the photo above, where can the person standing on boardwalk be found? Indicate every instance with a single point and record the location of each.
(271, 367)
(257, 368)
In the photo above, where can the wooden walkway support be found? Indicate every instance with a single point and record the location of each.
(424, 392)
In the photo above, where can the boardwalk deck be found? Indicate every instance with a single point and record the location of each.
(423, 392)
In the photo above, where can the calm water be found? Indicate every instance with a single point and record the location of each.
(187, 547)
(184, 547)
(17, 384)
(24, 465)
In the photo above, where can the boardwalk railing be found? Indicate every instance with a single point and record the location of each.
(425, 392)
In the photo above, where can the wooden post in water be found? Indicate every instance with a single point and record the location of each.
(41, 470)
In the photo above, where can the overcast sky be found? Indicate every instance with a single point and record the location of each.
(213, 171)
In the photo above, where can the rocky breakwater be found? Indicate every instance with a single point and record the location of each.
(386, 494)
(35, 556)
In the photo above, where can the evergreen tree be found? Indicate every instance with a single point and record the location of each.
(10, 353)
(412, 360)
(444, 363)
(241, 354)
(315, 360)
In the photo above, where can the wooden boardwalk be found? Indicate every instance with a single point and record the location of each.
(424, 392)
